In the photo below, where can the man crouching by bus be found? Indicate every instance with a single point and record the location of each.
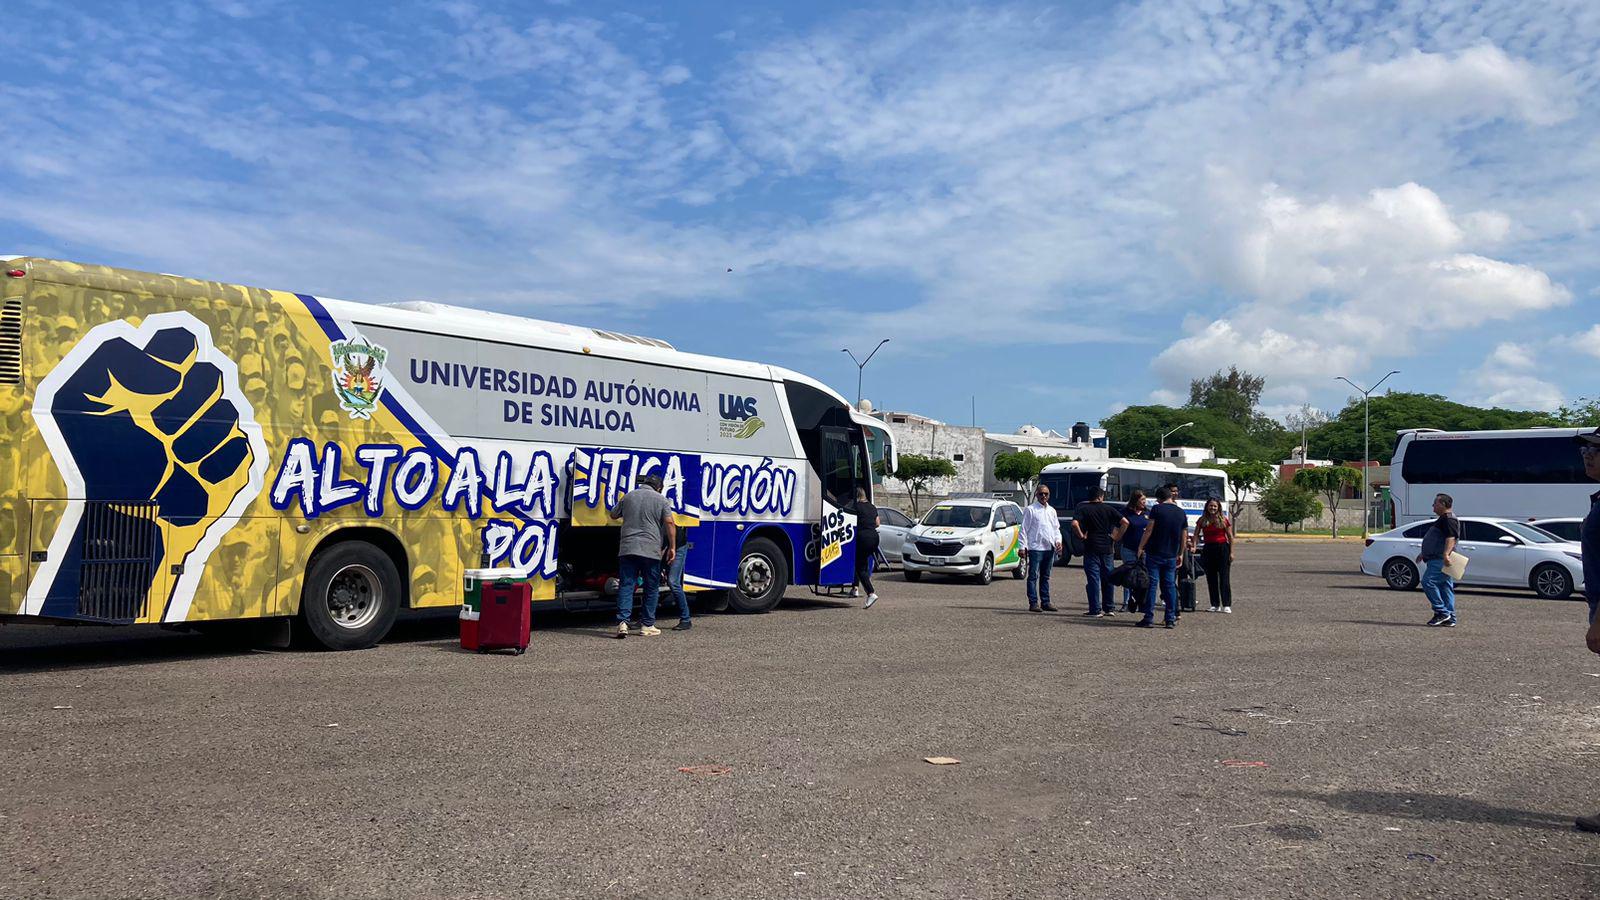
(1589, 447)
(648, 538)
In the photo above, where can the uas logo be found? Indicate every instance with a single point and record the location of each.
(739, 419)
(358, 375)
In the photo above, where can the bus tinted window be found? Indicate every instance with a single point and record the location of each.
(1068, 489)
(1535, 460)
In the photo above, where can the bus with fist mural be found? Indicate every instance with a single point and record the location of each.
(183, 452)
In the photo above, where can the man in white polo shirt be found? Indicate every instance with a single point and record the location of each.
(1041, 537)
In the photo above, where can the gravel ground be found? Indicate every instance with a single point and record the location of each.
(1387, 759)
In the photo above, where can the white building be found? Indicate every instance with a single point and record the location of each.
(1084, 443)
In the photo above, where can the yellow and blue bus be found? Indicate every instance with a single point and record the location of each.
(182, 452)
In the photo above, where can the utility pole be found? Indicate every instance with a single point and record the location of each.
(862, 364)
(1366, 446)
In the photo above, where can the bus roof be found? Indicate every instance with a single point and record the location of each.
(1434, 434)
(439, 318)
(1102, 465)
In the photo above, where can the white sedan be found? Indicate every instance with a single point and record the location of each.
(1500, 553)
(893, 526)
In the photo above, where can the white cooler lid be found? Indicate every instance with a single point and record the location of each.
(495, 574)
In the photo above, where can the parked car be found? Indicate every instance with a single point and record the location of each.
(1566, 529)
(1501, 553)
(972, 537)
(893, 527)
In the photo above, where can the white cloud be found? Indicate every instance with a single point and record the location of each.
(1589, 342)
(1506, 378)
(1332, 284)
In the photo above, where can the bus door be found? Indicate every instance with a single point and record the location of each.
(843, 470)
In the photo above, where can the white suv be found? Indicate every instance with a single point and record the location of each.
(967, 537)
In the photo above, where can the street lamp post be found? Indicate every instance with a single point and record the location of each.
(1366, 446)
(1160, 454)
(862, 364)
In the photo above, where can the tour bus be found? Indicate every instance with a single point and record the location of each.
(187, 452)
(1071, 482)
(1519, 473)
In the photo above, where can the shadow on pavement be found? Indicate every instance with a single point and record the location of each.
(1433, 807)
(28, 648)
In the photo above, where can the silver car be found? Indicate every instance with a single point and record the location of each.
(893, 526)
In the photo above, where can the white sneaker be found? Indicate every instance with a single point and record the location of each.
(1215, 609)
(871, 599)
(649, 631)
(854, 593)
(1227, 609)
(622, 630)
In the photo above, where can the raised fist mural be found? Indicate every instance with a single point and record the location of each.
(149, 426)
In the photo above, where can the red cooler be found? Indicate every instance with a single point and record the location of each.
(505, 618)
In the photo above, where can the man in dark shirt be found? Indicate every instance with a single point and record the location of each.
(1438, 543)
(1160, 548)
(1099, 526)
(1589, 447)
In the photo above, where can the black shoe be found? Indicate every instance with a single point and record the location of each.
(1048, 608)
(1143, 624)
(1170, 625)
(1448, 623)
(1109, 614)
(683, 625)
(1590, 824)
(1437, 620)
(1033, 607)
(1091, 615)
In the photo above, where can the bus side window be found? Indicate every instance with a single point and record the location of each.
(1114, 488)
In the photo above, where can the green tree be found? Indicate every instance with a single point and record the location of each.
(1023, 467)
(1284, 503)
(1340, 438)
(1246, 476)
(917, 471)
(1232, 394)
(1583, 412)
(1330, 482)
(1136, 433)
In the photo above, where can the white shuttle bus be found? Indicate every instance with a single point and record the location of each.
(1071, 482)
(1523, 473)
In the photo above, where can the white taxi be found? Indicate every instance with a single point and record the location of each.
(973, 538)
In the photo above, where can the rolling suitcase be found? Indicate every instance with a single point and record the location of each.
(1186, 595)
(505, 618)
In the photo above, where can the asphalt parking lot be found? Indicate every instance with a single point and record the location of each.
(1319, 742)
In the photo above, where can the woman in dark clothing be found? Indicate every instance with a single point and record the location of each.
(1214, 533)
(866, 543)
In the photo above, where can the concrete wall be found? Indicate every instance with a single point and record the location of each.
(948, 442)
(1250, 519)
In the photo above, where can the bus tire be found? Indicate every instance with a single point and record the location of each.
(1400, 574)
(762, 578)
(911, 575)
(1551, 581)
(351, 596)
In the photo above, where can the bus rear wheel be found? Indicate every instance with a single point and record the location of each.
(351, 596)
(763, 577)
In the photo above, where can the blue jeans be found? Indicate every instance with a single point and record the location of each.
(1163, 572)
(1128, 600)
(675, 582)
(1039, 563)
(631, 570)
(1439, 588)
(1097, 581)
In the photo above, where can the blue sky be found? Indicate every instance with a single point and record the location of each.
(1059, 209)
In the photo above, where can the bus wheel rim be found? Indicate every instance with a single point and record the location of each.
(354, 597)
(755, 575)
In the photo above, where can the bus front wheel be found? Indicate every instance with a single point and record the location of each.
(351, 596)
(763, 577)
